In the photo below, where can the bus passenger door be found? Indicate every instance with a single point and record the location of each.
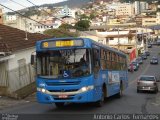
(96, 72)
(96, 62)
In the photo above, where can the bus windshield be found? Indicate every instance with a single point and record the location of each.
(68, 63)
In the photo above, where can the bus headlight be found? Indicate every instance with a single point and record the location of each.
(86, 88)
(41, 90)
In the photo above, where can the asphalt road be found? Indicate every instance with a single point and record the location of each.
(131, 102)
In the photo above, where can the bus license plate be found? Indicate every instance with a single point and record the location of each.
(63, 96)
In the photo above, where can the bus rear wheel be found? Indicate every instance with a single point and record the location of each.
(59, 105)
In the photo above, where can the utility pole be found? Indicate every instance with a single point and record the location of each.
(146, 39)
(143, 39)
(136, 43)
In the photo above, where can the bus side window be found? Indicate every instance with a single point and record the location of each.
(96, 64)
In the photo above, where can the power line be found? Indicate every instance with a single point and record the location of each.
(32, 19)
(61, 20)
(17, 3)
(45, 11)
(54, 17)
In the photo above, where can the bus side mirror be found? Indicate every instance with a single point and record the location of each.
(33, 58)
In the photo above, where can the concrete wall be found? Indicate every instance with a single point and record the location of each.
(23, 54)
(123, 40)
(20, 72)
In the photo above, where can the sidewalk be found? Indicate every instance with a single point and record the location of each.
(6, 102)
(154, 104)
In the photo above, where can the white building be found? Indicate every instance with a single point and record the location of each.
(125, 9)
(112, 6)
(65, 11)
(32, 26)
(137, 7)
(40, 28)
(11, 17)
(143, 6)
(115, 37)
(19, 22)
(15, 70)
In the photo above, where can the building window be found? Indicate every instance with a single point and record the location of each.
(111, 38)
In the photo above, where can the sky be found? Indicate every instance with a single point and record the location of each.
(15, 6)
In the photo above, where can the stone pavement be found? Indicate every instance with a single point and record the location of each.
(6, 102)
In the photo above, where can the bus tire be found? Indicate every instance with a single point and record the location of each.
(119, 95)
(101, 101)
(59, 105)
(138, 91)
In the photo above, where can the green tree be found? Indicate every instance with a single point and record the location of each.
(82, 25)
(92, 16)
(32, 12)
(60, 33)
(84, 17)
(66, 26)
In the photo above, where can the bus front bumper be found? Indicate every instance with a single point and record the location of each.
(87, 96)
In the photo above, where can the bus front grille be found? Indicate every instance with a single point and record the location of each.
(63, 98)
(62, 83)
(71, 90)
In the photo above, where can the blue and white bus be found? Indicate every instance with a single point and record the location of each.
(78, 70)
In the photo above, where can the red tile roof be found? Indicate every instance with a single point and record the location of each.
(13, 39)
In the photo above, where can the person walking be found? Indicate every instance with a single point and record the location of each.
(131, 67)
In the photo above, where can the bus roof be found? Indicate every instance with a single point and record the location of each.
(87, 40)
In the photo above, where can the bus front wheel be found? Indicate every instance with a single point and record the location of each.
(59, 105)
(101, 101)
(120, 91)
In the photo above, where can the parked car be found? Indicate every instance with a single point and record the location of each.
(139, 60)
(158, 42)
(149, 46)
(147, 83)
(144, 56)
(135, 68)
(153, 43)
(154, 60)
(147, 53)
(135, 63)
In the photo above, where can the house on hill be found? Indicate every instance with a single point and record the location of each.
(16, 47)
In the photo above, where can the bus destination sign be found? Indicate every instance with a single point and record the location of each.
(62, 43)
